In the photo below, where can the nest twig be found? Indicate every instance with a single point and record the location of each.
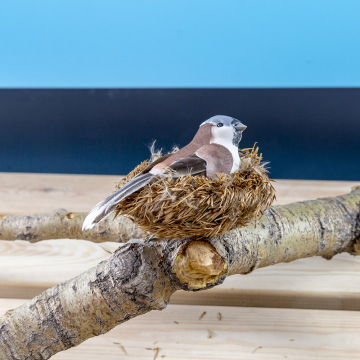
(199, 206)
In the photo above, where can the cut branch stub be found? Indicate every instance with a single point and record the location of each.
(199, 266)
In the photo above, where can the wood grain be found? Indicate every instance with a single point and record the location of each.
(34, 193)
(26, 269)
(242, 333)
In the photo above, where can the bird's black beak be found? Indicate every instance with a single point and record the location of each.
(240, 127)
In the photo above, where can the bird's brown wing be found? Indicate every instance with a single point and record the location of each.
(190, 165)
(159, 160)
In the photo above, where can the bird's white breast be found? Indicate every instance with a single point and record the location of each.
(225, 139)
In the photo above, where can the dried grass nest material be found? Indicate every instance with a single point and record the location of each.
(198, 206)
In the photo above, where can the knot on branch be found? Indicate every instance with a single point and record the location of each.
(198, 266)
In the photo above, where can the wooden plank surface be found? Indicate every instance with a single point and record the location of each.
(242, 333)
(34, 193)
(308, 283)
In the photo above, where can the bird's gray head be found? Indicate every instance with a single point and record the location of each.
(226, 128)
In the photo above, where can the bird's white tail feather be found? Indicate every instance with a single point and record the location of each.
(108, 205)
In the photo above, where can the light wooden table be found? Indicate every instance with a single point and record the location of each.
(307, 309)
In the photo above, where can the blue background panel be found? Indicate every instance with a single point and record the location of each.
(162, 43)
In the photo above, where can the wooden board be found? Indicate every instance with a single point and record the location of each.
(242, 333)
(308, 283)
(34, 193)
(267, 331)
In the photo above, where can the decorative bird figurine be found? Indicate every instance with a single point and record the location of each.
(214, 149)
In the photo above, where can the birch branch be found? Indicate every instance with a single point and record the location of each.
(142, 274)
(62, 224)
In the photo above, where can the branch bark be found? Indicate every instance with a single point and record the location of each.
(62, 224)
(142, 274)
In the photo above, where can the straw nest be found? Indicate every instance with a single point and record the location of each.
(196, 206)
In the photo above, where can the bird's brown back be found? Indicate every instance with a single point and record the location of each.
(201, 138)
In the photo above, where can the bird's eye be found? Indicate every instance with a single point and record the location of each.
(220, 125)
